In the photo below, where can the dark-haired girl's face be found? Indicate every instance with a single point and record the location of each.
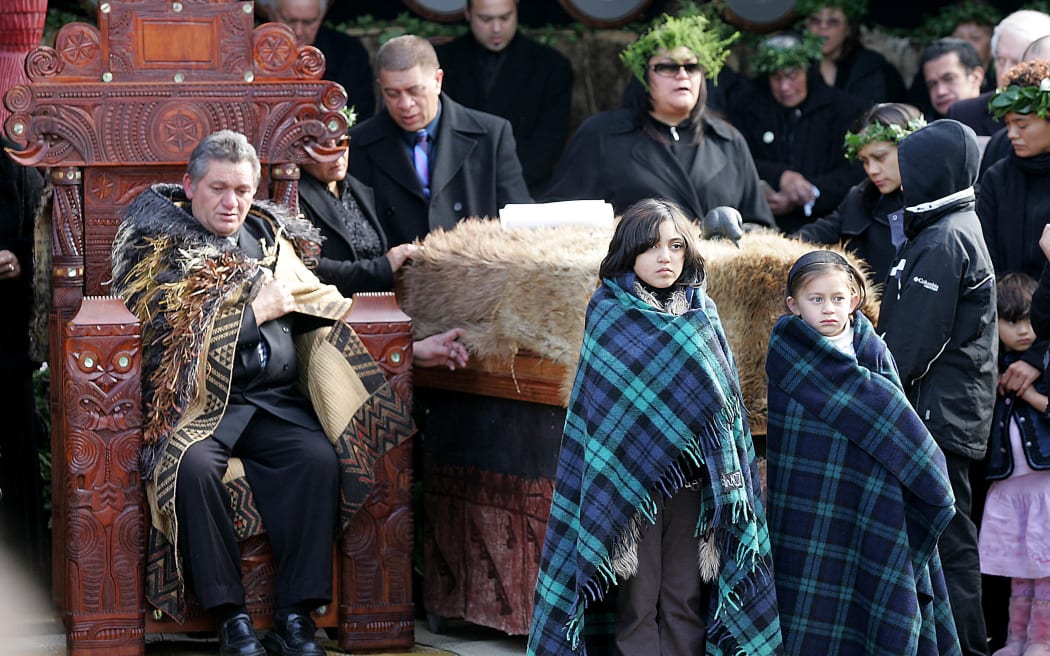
(660, 265)
(1016, 335)
(825, 302)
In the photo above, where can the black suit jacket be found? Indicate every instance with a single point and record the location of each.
(532, 90)
(474, 171)
(341, 264)
(974, 113)
(612, 158)
(256, 387)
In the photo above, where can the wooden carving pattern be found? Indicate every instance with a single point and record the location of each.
(78, 111)
(375, 605)
(259, 573)
(67, 218)
(107, 192)
(216, 38)
(391, 346)
(105, 135)
(285, 187)
(103, 503)
(77, 54)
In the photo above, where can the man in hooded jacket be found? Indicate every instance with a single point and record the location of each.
(947, 361)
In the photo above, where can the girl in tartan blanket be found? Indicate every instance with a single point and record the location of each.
(858, 490)
(656, 542)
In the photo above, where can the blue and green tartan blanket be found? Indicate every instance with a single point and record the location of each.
(858, 496)
(653, 391)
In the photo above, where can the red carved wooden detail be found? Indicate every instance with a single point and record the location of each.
(108, 111)
(101, 526)
(375, 599)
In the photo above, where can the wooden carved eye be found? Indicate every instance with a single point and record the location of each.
(122, 361)
(88, 361)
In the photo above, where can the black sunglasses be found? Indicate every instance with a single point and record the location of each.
(670, 69)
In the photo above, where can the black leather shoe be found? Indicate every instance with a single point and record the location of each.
(237, 637)
(294, 635)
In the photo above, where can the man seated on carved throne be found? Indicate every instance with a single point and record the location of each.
(235, 330)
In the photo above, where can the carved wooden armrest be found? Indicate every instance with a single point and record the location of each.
(375, 605)
(99, 506)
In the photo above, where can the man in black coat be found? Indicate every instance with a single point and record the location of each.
(430, 160)
(1010, 38)
(346, 59)
(498, 70)
(952, 71)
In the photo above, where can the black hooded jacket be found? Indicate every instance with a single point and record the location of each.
(938, 307)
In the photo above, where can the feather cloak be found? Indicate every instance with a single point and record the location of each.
(189, 288)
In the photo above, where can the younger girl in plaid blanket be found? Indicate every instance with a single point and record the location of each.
(858, 489)
(1015, 532)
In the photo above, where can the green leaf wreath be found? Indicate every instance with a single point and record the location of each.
(1021, 100)
(892, 132)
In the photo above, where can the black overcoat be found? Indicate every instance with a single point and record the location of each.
(807, 139)
(611, 158)
(341, 264)
(532, 89)
(474, 171)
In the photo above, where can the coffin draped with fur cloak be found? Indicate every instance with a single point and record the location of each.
(189, 288)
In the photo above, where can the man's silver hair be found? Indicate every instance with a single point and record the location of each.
(1029, 24)
(225, 146)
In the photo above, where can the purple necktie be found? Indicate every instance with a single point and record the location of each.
(421, 160)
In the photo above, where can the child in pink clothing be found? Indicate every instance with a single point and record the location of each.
(1015, 531)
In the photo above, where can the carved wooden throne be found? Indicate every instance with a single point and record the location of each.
(110, 110)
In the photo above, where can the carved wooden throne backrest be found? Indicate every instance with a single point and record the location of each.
(110, 110)
(115, 108)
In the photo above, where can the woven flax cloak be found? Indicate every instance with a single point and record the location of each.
(189, 289)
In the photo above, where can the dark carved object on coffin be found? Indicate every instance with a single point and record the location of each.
(109, 111)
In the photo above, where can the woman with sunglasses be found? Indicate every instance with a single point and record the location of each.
(662, 143)
(354, 254)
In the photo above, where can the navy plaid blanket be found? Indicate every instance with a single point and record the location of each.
(651, 389)
(858, 495)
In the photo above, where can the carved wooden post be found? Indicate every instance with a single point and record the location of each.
(103, 548)
(375, 605)
(67, 290)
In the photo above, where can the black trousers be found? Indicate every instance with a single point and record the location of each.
(661, 610)
(961, 562)
(294, 475)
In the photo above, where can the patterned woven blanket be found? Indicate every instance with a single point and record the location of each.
(651, 389)
(858, 495)
(189, 288)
